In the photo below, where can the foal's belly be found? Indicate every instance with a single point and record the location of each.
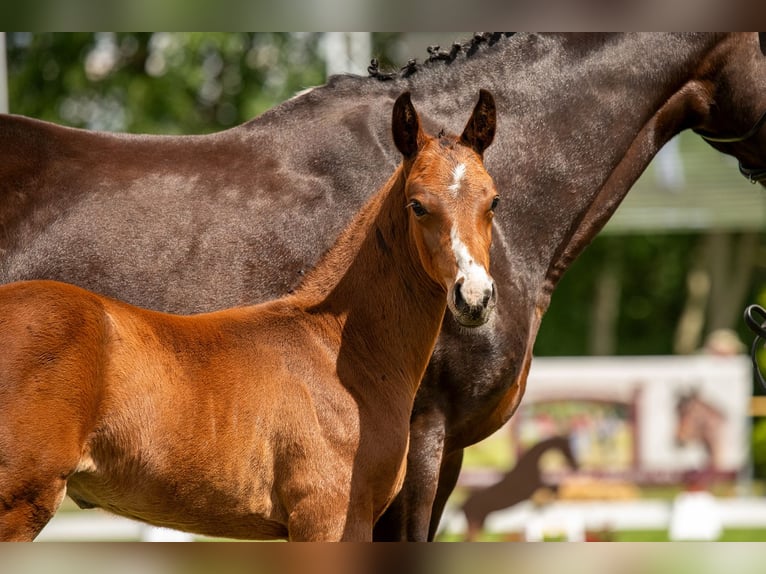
(215, 513)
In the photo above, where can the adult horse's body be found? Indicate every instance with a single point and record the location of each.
(288, 418)
(193, 223)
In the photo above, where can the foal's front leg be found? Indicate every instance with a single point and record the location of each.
(331, 519)
(409, 516)
(27, 503)
(322, 496)
(38, 452)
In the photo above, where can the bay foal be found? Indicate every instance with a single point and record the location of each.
(285, 419)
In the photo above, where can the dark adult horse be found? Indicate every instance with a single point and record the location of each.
(195, 223)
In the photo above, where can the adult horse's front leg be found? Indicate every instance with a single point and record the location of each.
(450, 471)
(409, 515)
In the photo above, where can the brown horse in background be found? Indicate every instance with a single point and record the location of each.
(698, 421)
(517, 485)
(285, 419)
(194, 223)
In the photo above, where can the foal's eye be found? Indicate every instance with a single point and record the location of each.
(417, 208)
(494, 203)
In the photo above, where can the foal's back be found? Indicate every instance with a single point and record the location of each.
(84, 340)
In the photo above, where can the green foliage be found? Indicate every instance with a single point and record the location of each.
(760, 354)
(653, 271)
(158, 82)
(758, 442)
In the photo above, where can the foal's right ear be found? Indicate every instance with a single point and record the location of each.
(480, 129)
(405, 126)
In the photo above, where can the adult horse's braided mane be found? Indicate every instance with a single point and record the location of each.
(436, 54)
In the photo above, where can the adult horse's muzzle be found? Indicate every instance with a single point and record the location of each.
(471, 301)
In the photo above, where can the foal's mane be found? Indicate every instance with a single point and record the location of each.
(333, 263)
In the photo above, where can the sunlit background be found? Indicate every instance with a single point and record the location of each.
(649, 315)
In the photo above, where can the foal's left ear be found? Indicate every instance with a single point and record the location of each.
(405, 126)
(480, 129)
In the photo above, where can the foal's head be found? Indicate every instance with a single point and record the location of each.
(451, 201)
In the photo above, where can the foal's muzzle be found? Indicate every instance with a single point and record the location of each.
(471, 303)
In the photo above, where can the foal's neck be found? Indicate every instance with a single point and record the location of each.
(372, 286)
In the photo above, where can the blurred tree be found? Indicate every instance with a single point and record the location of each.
(641, 278)
(628, 294)
(165, 82)
(158, 82)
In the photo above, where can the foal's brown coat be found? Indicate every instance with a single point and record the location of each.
(285, 419)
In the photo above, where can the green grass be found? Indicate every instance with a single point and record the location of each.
(729, 535)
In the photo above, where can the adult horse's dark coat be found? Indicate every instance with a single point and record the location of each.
(194, 223)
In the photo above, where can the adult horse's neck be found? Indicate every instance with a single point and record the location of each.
(583, 117)
(372, 287)
(607, 103)
(610, 104)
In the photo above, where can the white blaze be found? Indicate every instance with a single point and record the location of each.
(476, 280)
